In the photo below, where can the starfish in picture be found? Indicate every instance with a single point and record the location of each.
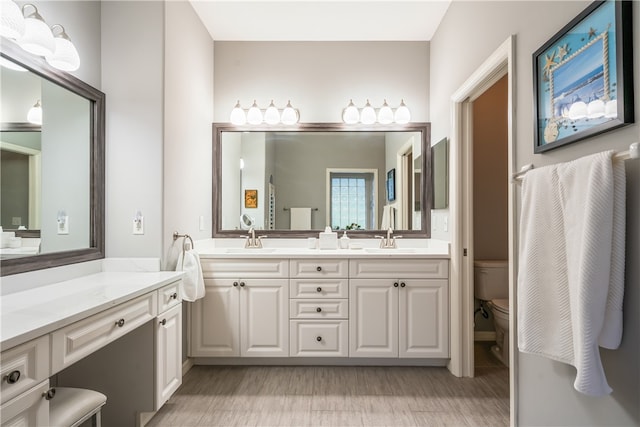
(563, 51)
(550, 61)
(592, 32)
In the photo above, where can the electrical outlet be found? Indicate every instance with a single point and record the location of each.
(138, 223)
(445, 223)
(201, 222)
(63, 224)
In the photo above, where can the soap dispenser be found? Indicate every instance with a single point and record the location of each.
(344, 241)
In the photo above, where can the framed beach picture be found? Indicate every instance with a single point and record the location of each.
(583, 77)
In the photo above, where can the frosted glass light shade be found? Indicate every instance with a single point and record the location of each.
(11, 20)
(578, 110)
(350, 115)
(611, 109)
(65, 56)
(37, 38)
(368, 115)
(254, 115)
(402, 115)
(385, 115)
(238, 117)
(34, 115)
(595, 109)
(289, 115)
(272, 115)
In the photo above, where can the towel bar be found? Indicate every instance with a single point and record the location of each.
(632, 153)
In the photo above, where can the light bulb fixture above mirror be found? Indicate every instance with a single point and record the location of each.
(270, 116)
(34, 115)
(30, 31)
(369, 115)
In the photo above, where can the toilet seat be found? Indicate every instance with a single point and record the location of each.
(501, 305)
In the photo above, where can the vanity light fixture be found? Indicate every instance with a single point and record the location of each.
(367, 115)
(65, 56)
(11, 20)
(37, 38)
(271, 116)
(34, 115)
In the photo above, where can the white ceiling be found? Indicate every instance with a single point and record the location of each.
(328, 20)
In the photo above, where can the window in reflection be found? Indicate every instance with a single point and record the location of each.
(352, 196)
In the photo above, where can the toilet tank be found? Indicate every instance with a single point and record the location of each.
(491, 279)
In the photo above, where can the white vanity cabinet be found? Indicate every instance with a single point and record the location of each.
(168, 351)
(25, 371)
(319, 308)
(399, 308)
(245, 310)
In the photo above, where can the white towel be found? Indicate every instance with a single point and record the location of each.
(192, 281)
(300, 219)
(571, 273)
(388, 217)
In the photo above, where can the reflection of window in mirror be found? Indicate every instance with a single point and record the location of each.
(352, 199)
(440, 171)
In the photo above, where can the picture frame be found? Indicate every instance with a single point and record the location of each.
(583, 77)
(250, 199)
(391, 185)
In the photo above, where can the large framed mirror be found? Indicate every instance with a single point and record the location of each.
(53, 172)
(295, 181)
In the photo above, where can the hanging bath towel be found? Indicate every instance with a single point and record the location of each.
(571, 273)
(192, 281)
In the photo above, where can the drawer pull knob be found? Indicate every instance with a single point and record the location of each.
(242, 284)
(163, 322)
(120, 323)
(13, 377)
(49, 394)
(235, 284)
(318, 309)
(174, 296)
(402, 285)
(318, 339)
(395, 284)
(318, 268)
(318, 289)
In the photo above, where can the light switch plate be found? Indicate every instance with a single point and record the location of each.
(445, 223)
(201, 222)
(138, 225)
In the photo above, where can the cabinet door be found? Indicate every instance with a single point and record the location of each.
(264, 317)
(424, 318)
(215, 329)
(28, 409)
(168, 354)
(373, 318)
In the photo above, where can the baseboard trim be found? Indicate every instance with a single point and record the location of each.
(186, 366)
(484, 336)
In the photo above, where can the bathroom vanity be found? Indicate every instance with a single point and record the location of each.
(340, 306)
(48, 329)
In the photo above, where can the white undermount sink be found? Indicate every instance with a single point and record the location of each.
(390, 250)
(250, 250)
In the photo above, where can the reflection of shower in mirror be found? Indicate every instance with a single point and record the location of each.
(246, 221)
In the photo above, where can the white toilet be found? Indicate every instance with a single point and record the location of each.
(491, 284)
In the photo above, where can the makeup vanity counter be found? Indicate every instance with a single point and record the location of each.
(47, 329)
(342, 306)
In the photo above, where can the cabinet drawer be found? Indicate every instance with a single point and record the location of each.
(322, 268)
(28, 409)
(319, 309)
(169, 296)
(244, 268)
(407, 268)
(82, 338)
(319, 288)
(319, 338)
(31, 362)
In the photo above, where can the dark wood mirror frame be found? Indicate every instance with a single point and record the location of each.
(427, 200)
(96, 249)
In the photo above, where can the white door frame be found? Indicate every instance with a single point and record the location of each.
(500, 63)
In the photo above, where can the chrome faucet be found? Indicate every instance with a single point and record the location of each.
(252, 241)
(387, 242)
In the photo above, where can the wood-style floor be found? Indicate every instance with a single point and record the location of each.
(339, 396)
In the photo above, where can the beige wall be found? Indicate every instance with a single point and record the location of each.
(490, 232)
(470, 32)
